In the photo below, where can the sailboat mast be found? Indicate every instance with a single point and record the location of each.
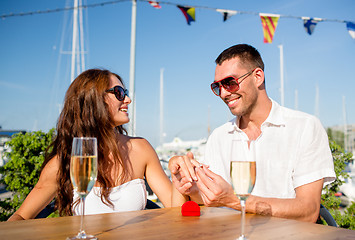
(74, 42)
(282, 75)
(77, 53)
(316, 110)
(82, 49)
(132, 107)
(345, 126)
(161, 106)
(209, 121)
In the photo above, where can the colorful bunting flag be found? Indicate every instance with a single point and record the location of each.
(351, 28)
(189, 13)
(269, 23)
(155, 4)
(226, 13)
(310, 24)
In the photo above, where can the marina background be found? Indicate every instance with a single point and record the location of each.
(35, 64)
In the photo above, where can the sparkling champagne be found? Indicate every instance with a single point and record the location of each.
(83, 173)
(243, 173)
(243, 177)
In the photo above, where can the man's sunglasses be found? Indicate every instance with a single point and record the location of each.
(119, 92)
(229, 83)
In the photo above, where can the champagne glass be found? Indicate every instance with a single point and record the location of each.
(83, 173)
(243, 173)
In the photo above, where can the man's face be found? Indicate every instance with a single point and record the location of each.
(242, 101)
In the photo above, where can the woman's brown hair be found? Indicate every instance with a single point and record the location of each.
(85, 113)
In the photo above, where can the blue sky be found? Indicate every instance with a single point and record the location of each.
(34, 75)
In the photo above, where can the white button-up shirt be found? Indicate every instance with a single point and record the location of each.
(292, 150)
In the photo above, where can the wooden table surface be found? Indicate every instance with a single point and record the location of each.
(168, 223)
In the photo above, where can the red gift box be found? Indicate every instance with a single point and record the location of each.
(190, 208)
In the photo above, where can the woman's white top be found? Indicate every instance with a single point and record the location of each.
(130, 196)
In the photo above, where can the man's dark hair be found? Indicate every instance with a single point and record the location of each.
(248, 55)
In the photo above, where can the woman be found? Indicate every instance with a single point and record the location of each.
(96, 105)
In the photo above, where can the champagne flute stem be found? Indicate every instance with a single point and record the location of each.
(82, 232)
(242, 203)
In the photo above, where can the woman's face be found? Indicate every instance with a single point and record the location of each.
(118, 109)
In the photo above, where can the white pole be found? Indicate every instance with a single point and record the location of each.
(77, 58)
(282, 74)
(82, 49)
(161, 106)
(345, 126)
(75, 30)
(132, 106)
(209, 121)
(296, 99)
(316, 110)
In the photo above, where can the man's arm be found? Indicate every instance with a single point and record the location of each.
(215, 191)
(304, 207)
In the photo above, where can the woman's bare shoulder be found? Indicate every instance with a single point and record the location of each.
(139, 148)
(51, 168)
(135, 142)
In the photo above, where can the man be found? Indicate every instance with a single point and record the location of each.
(294, 159)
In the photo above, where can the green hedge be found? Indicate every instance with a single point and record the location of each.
(346, 217)
(21, 172)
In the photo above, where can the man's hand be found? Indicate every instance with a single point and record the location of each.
(183, 174)
(214, 190)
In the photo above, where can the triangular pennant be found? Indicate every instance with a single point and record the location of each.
(189, 13)
(310, 24)
(269, 22)
(351, 28)
(155, 4)
(226, 13)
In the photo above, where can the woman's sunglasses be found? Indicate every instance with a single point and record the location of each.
(120, 92)
(230, 83)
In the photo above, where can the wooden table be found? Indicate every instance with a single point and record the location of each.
(168, 223)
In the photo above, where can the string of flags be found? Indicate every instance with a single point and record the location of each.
(268, 21)
(351, 28)
(189, 13)
(310, 24)
(226, 13)
(154, 4)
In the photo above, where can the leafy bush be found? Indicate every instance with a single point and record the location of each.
(21, 172)
(329, 200)
(346, 219)
(336, 136)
